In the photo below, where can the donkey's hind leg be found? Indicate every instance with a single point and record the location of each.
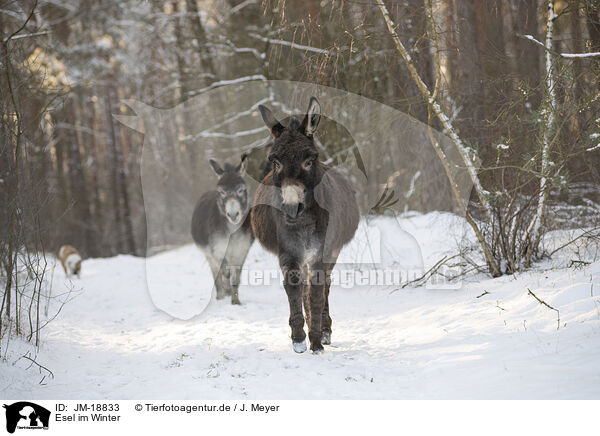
(237, 251)
(326, 323)
(316, 301)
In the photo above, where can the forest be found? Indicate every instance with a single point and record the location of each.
(506, 94)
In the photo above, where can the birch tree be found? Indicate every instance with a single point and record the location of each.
(533, 231)
(465, 153)
(532, 237)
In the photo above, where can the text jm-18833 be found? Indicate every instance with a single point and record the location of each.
(96, 407)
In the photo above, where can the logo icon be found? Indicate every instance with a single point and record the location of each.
(26, 415)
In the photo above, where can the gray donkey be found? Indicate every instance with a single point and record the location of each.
(221, 227)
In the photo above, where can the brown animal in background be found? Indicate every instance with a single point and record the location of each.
(70, 259)
(304, 212)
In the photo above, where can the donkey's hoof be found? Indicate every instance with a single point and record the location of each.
(326, 340)
(220, 296)
(299, 347)
(317, 349)
(235, 300)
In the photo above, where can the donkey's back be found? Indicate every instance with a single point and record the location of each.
(335, 194)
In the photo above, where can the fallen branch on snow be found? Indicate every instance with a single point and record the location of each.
(548, 306)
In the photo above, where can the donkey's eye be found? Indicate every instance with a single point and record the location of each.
(307, 165)
(241, 190)
(221, 192)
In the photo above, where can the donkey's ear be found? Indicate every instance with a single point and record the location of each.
(274, 126)
(241, 167)
(312, 118)
(216, 167)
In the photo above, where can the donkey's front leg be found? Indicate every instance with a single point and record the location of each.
(292, 282)
(236, 272)
(317, 275)
(222, 284)
(226, 276)
(215, 267)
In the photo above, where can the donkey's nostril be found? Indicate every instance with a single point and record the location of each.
(291, 210)
(234, 216)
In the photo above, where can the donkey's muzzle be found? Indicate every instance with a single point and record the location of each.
(292, 196)
(293, 210)
(234, 217)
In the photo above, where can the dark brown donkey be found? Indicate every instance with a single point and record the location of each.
(221, 228)
(304, 212)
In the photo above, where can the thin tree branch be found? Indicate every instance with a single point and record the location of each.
(542, 302)
(583, 235)
(39, 365)
(29, 17)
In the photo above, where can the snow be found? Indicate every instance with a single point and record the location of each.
(564, 55)
(290, 44)
(227, 82)
(580, 55)
(487, 339)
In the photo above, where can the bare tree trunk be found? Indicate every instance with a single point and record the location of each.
(470, 93)
(12, 258)
(452, 52)
(525, 19)
(112, 144)
(576, 47)
(182, 67)
(183, 70)
(592, 13)
(435, 109)
(119, 180)
(93, 154)
(60, 170)
(533, 231)
(79, 190)
(200, 35)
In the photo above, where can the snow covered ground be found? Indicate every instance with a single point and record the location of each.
(111, 340)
